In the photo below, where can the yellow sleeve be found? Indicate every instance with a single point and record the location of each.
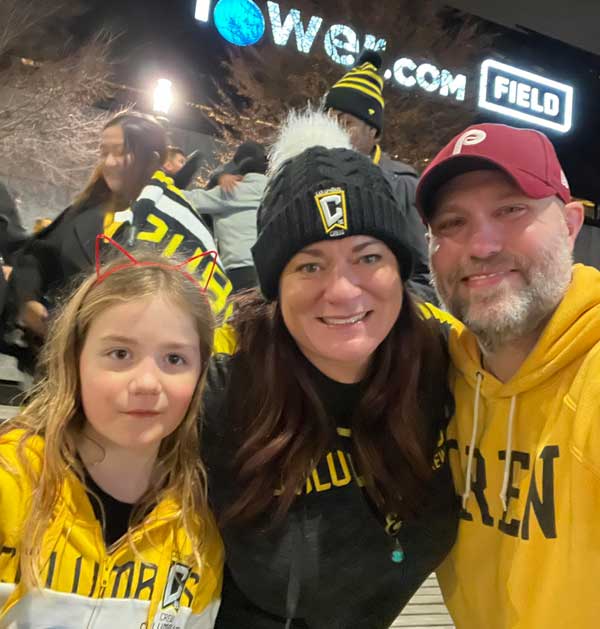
(225, 340)
(15, 496)
(429, 311)
(582, 402)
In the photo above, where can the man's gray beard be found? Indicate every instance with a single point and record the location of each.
(547, 280)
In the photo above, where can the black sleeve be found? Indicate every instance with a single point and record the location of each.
(28, 279)
(212, 423)
(405, 187)
(38, 264)
(185, 175)
(12, 238)
(217, 435)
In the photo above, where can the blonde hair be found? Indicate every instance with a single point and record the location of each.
(54, 411)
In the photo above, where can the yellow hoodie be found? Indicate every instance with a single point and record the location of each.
(88, 585)
(536, 563)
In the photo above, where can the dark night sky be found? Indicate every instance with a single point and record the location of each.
(574, 22)
(161, 38)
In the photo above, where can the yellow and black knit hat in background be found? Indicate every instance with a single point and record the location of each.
(360, 91)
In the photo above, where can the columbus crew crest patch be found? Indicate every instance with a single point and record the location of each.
(332, 208)
(178, 575)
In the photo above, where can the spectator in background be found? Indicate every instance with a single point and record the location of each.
(12, 232)
(357, 102)
(132, 148)
(12, 236)
(234, 212)
(175, 160)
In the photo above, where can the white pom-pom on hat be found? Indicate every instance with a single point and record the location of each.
(302, 130)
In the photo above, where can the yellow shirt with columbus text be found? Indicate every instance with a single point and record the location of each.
(88, 585)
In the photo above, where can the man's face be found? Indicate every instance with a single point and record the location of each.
(501, 262)
(362, 135)
(174, 164)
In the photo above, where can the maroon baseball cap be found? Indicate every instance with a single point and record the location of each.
(525, 155)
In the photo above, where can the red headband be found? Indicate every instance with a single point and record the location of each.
(133, 262)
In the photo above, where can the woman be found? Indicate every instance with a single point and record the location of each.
(132, 148)
(324, 431)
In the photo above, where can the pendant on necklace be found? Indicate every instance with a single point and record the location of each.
(397, 555)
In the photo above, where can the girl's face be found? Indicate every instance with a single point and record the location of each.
(113, 158)
(339, 300)
(138, 370)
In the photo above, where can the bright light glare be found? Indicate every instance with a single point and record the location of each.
(202, 10)
(163, 97)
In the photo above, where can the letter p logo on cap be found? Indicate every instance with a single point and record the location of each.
(469, 138)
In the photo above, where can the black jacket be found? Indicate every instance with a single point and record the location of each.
(329, 565)
(51, 260)
(587, 246)
(404, 180)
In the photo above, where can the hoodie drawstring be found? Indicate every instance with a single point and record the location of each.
(509, 440)
(507, 461)
(467, 491)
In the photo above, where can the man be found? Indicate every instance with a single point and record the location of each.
(233, 212)
(175, 160)
(524, 445)
(357, 102)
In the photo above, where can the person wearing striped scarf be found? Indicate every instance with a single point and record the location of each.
(356, 100)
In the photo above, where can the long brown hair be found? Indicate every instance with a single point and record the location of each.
(283, 429)
(146, 141)
(54, 411)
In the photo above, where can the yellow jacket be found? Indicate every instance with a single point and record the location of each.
(88, 585)
(535, 564)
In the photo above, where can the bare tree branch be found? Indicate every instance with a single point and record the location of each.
(18, 19)
(48, 127)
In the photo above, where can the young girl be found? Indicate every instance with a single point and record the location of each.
(103, 513)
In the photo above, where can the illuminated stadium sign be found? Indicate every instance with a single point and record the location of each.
(243, 23)
(503, 89)
(526, 96)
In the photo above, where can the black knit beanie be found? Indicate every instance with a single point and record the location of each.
(360, 91)
(324, 194)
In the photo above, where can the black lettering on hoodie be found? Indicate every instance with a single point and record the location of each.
(478, 486)
(543, 507)
(127, 568)
(521, 458)
(146, 580)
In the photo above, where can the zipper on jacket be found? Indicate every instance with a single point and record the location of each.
(112, 555)
(106, 568)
